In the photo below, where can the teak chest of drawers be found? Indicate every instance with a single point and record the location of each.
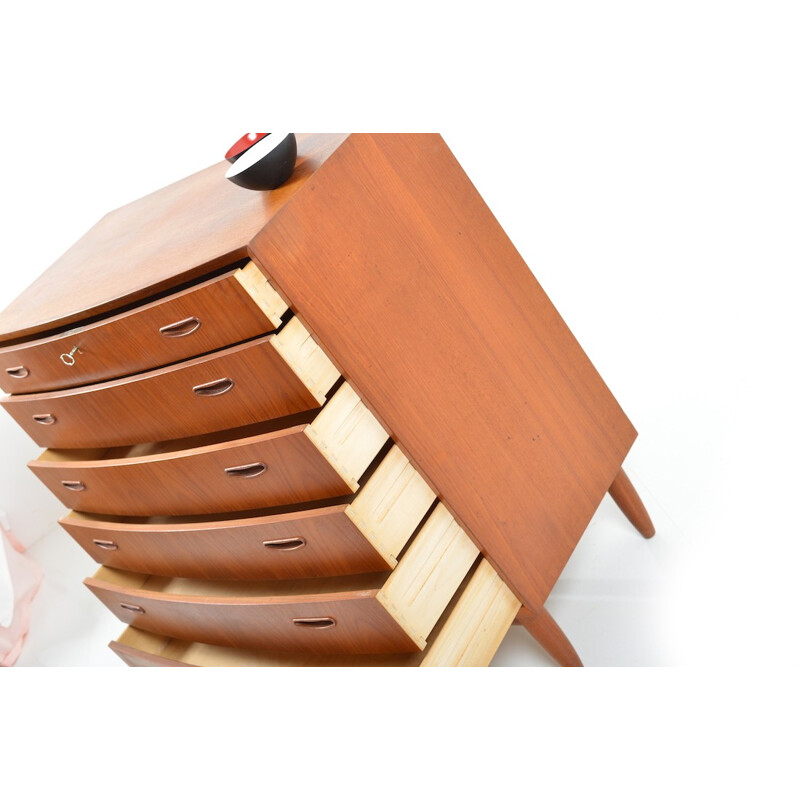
(338, 423)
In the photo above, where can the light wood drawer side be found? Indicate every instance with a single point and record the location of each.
(336, 539)
(478, 624)
(317, 456)
(263, 379)
(468, 636)
(369, 614)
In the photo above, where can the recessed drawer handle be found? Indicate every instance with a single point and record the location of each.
(74, 486)
(18, 372)
(213, 388)
(45, 419)
(246, 470)
(295, 543)
(182, 328)
(131, 607)
(317, 623)
(105, 544)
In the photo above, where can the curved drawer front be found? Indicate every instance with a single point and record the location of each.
(242, 385)
(337, 622)
(353, 614)
(364, 536)
(468, 635)
(199, 481)
(281, 467)
(312, 543)
(196, 320)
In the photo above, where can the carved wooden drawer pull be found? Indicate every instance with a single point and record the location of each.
(45, 419)
(131, 607)
(316, 623)
(18, 372)
(184, 327)
(295, 543)
(214, 388)
(74, 486)
(246, 470)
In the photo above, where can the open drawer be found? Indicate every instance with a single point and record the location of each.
(260, 380)
(365, 535)
(316, 456)
(373, 613)
(467, 635)
(216, 313)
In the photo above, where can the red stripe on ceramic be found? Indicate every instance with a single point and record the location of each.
(244, 144)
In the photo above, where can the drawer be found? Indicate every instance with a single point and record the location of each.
(222, 311)
(263, 379)
(340, 539)
(372, 613)
(317, 456)
(467, 635)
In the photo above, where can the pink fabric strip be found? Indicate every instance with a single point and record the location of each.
(26, 578)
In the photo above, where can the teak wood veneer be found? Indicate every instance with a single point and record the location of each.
(241, 385)
(253, 390)
(185, 324)
(380, 613)
(279, 463)
(365, 535)
(467, 635)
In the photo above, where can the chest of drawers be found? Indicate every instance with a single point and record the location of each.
(335, 423)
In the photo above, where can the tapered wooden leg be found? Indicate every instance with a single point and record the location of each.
(629, 502)
(546, 631)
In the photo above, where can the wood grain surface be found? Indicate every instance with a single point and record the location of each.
(548, 633)
(390, 506)
(414, 596)
(393, 261)
(194, 481)
(364, 536)
(231, 549)
(263, 617)
(162, 404)
(468, 634)
(476, 625)
(431, 570)
(131, 342)
(158, 242)
(134, 657)
(627, 498)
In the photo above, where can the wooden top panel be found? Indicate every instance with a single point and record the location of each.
(393, 261)
(171, 236)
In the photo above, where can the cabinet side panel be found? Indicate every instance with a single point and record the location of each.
(394, 262)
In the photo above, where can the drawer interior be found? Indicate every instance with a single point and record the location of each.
(233, 590)
(147, 449)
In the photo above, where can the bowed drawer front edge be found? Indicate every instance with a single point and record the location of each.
(338, 423)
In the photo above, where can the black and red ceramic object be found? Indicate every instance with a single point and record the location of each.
(262, 163)
(245, 143)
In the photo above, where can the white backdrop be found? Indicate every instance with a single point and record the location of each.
(644, 159)
(671, 257)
